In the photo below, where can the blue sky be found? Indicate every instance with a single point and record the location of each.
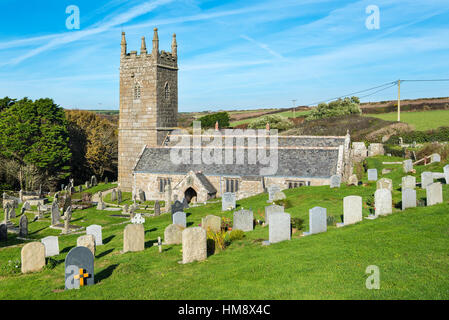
(232, 54)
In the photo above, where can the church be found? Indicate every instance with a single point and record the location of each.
(148, 138)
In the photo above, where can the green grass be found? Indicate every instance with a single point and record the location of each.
(409, 247)
(287, 114)
(100, 187)
(127, 199)
(421, 120)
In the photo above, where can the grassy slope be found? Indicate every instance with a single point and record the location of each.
(422, 120)
(409, 247)
(287, 114)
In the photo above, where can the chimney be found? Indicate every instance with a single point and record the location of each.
(216, 126)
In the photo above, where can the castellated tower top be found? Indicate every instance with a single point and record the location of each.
(162, 58)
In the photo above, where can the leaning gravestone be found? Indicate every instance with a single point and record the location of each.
(177, 206)
(55, 214)
(372, 174)
(383, 202)
(408, 182)
(179, 218)
(157, 208)
(51, 245)
(79, 268)
(385, 183)
(434, 193)
(426, 179)
(352, 210)
(408, 198)
(335, 181)
(3, 232)
(212, 222)
(23, 226)
(279, 227)
(33, 257)
(134, 238)
(317, 220)
(194, 245)
(87, 241)
(95, 230)
(243, 220)
(408, 165)
(173, 234)
(272, 209)
(272, 190)
(228, 201)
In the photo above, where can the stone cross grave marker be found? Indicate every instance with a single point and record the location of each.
(408, 198)
(138, 219)
(279, 227)
(243, 220)
(51, 245)
(180, 218)
(194, 245)
(372, 174)
(79, 268)
(434, 193)
(228, 201)
(383, 202)
(335, 181)
(96, 231)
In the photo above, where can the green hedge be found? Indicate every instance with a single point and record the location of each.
(209, 120)
(441, 134)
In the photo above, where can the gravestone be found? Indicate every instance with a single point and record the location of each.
(142, 197)
(101, 205)
(243, 220)
(67, 218)
(408, 182)
(279, 227)
(137, 218)
(272, 190)
(335, 181)
(317, 220)
(79, 268)
(67, 203)
(3, 232)
(185, 203)
(408, 198)
(375, 149)
(173, 234)
(426, 179)
(407, 165)
(446, 173)
(353, 180)
(279, 196)
(26, 206)
(359, 150)
(157, 208)
(113, 195)
(179, 218)
(435, 158)
(23, 226)
(212, 222)
(134, 238)
(383, 202)
(93, 181)
(87, 241)
(352, 210)
(33, 257)
(55, 214)
(125, 209)
(194, 245)
(87, 185)
(372, 174)
(51, 244)
(434, 193)
(228, 201)
(177, 206)
(119, 196)
(385, 183)
(96, 231)
(272, 209)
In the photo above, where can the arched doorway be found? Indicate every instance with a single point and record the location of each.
(189, 194)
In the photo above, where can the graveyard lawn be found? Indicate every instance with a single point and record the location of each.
(409, 247)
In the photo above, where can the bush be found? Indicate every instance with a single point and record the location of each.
(440, 134)
(330, 221)
(340, 107)
(275, 121)
(284, 202)
(218, 239)
(297, 223)
(236, 235)
(431, 148)
(209, 120)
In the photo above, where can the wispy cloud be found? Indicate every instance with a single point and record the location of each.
(263, 46)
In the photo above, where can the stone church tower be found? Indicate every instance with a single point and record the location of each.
(148, 103)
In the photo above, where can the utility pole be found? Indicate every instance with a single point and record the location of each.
(294, 107)
(399, 100)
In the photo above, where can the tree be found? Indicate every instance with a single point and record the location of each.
(336, 108)
(209, 120)
(6, 102)
(34, 134)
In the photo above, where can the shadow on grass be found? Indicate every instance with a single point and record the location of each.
(105, 273)
(150, 230)
(105, 253)
(108, 239)
(150, 243)
(39, 230)
(66, 249)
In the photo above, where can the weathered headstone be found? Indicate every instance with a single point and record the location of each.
(194, 245)
(426, 179)
(173, 234)
(408, 182)
(408, 198)
(119, 196)
(79, 268)
(33, 257)
(87, 241)
(55, 214)
(385, 183)
(51, 245)
(435, 158)
(23, 226)
(243, 220)
(114, 195)
(95, 230)
(26, 205)
(434, 193)
(383, 202)
(180, 218)
(317, 220)
(212, 222)
(67, 218)
(142, 197)
(272, 190)
(185, 203)
(228, 201)
(335, 181)
(106, 180)
(353, 180)
(272, 209)
(279, 227)
(157, 208)
(125, 209)
(352, 210)
(93, 181)
(3, 232)
(134, 238)
(446, 173)
(372, 174)
(375, 149)
(177, 206)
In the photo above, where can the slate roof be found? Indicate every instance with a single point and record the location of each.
(206, 183)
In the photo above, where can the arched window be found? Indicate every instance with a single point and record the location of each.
(167, 91)
(137, 91)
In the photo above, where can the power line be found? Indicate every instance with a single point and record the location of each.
(393, 85)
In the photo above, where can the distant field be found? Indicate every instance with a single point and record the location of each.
(422, 120)
(287, 114)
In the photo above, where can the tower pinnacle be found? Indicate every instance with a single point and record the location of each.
(174, 46)
(155, 42)
(123, 44)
